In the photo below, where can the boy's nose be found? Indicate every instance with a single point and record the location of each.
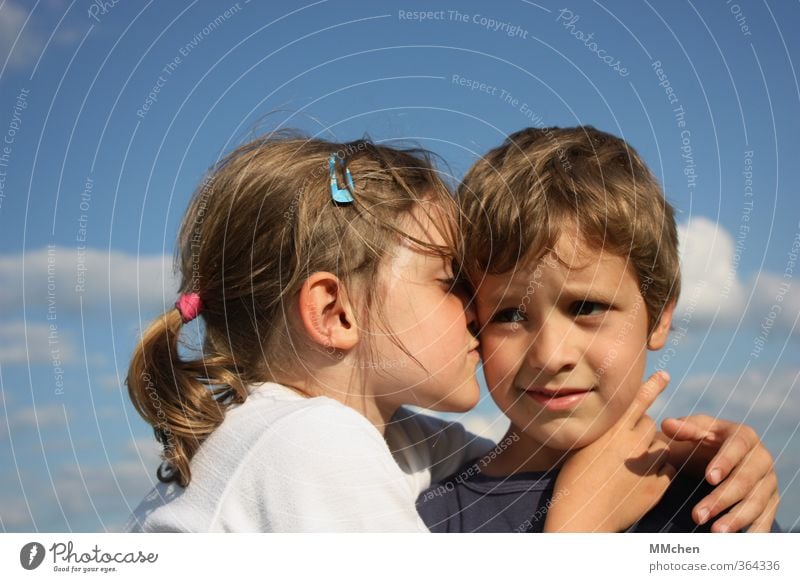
(551, 350)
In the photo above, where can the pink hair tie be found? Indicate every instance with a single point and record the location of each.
(189, 306)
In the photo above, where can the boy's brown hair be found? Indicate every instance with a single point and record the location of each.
(518, 198)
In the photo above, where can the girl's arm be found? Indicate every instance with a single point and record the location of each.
(732, 457)
(634, 458)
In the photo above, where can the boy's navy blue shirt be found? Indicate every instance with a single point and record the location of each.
(470, 501)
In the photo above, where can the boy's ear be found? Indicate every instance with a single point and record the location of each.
(326, 313)
(659, 336)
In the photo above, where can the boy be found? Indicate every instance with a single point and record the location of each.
(573, 252)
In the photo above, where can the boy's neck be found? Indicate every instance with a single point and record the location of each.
(523, 455)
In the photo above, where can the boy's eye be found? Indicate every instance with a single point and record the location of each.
(509, 316)
(587, 308)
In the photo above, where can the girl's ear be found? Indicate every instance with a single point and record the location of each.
(659, 336)
(326, 313)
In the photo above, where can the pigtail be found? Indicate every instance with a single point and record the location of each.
(183, 400)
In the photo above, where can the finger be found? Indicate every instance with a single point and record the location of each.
(734, 452)
(650, 462)
(659, 458)
(735, 489)
(747, 511)
(763, 524)
(660, 481)
(687, 429)
(647, 394)
(668, 470)
(712, 424)
(646, 428)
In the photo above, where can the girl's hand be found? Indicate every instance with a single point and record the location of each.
(731, 456)
(611, 483)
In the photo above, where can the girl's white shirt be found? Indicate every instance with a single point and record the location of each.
(281, 462)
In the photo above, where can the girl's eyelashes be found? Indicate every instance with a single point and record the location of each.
(449, 283)
(587, 308)
(455, 285)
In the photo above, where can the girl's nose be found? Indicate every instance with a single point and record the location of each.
(467, 297)
(472, 316)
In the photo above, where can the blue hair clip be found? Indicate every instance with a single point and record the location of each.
(340, 195)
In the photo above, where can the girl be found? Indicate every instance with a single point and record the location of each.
(325, 308)
(323, 275)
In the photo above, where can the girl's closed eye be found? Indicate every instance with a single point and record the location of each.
(454, 284)
(449, 283)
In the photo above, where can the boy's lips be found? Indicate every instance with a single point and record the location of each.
(557, 398)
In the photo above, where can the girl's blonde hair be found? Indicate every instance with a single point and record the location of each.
(256, 228)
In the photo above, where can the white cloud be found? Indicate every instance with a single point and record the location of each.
(767, 401)
(28, 46)
(14, 516)
(23, 52)
(111, 382)
(33, 343)
(755, 396)
(93, 496)
(710, 284)
(113, 490)
(713, 290)
(491, 424)
(31, 417)
(40, 417)
(55, 279)
(772, 295)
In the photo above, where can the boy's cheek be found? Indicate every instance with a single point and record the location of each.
(617, 403)
(498, 369)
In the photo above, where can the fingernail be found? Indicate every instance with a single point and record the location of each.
(723, 529)
(714, 476)
(703, 514)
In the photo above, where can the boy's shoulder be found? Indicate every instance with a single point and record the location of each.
(673, 514)
(429, 449)
(472, 501)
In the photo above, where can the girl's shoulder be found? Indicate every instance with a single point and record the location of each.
(429, 448)
(319, 466)
(275, 417)
(272, 456)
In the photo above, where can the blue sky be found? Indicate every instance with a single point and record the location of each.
(110, 117)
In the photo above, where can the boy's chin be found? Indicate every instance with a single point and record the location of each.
(565, 440)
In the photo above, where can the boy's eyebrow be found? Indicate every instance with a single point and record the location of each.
(515, 289)
(587, 290)
(500, 292)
